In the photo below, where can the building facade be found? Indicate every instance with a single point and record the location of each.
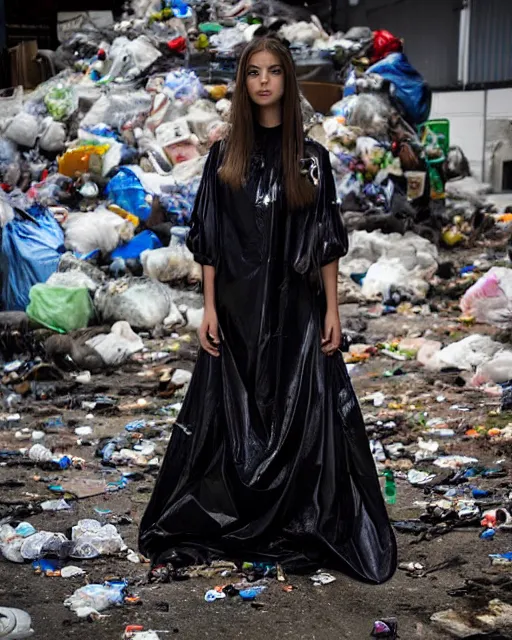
(464, 50)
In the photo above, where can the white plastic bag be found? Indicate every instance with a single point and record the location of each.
(53, 136)
(6, 212)
(118, 345)
(72, 280)
(497, 370)
(105, 539)
(100, 229)
(170, 264)
(466, 354)
(94, 598)
(23, 129)
(490, 299)
(389, 273)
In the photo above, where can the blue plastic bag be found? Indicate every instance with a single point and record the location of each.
(32, 253)
(350, 87)
(132, 250)
(409, 89)
(126, 190)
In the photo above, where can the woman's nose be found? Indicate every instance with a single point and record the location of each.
(264, 78)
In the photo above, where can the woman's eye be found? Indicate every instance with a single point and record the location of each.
(276, 72)
(253, 73)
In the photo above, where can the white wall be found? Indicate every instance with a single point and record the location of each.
(470, 124)
(465, 111)
(499, 104)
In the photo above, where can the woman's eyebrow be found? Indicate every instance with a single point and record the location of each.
(253, 66)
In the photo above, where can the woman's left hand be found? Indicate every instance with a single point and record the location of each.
(331, 338)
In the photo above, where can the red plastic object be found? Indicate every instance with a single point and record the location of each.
(178, 45)
(384, 43)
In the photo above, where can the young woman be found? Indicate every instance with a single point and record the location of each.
(269, 458)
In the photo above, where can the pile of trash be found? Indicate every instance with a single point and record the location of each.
(105, 158)
(100, 165)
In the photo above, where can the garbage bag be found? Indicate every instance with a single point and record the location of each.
(118, 345)
(371, 113)
(498, 370)
(126, 190)
(23, 129)
(171, 264)
(408, 88)
(11, 101)
(384, 43)
(388, 275)
(490, 299)
(466, 354)
(72, 280)
(144, 241)
(96, 230)
(130, 58)
(10, 169)
(60, 308)
(53, 136)
(184, 85)
(61, 102)
(117, 109)
(6, 212)
(143, 303)
(32, 251)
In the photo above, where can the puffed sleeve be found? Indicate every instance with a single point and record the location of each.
(332, 237)
(203, 236)
(319, 236)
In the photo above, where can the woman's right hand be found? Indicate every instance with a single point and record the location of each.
(209, 333)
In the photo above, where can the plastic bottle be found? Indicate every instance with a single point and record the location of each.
(390, 486)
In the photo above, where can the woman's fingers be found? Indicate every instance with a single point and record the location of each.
(331, 340)
(207, 341)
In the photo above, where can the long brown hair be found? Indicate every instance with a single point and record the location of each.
(235, 165)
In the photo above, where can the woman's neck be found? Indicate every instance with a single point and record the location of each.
(270, 116)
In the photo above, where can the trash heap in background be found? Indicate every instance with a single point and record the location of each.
(99, 168)
(100, 165)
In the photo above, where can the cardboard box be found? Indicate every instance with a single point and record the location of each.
(25, 70)
(321, 95)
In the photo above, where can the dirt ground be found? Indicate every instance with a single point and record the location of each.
(342, 610)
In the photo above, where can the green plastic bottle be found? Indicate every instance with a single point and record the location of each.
(389, 487)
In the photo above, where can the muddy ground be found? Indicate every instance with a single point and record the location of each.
(343, 609)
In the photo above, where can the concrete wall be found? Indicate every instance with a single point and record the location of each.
(481, 124)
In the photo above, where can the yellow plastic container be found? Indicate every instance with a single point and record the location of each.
(82, 159)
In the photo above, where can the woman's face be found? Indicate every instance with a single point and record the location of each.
(265, 79)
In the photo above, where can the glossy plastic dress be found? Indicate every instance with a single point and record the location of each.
(269, 459)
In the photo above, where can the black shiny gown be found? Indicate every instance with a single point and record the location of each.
(269, 459)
